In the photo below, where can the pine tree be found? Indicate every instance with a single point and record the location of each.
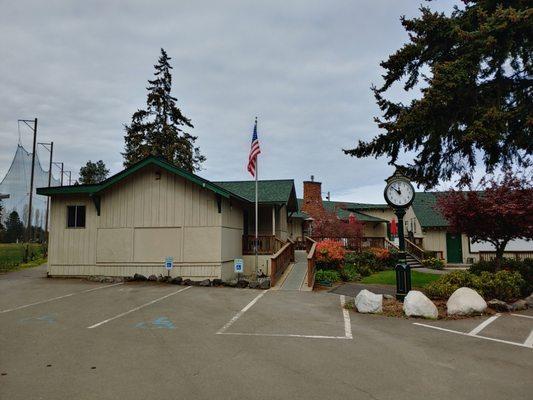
(14, 228)
(92, 172)
(157, 130)
(473, 69)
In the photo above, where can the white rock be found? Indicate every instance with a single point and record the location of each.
(465, 301)
(368, 302)
(416, 304)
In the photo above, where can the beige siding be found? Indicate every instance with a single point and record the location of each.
(294, 228)
(144, 219)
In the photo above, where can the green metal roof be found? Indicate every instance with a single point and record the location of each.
(344, 210)
(151, 160)
(270, 191)
(428, 216)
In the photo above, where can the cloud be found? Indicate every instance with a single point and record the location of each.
(303, 67)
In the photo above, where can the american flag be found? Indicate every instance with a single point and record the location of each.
(255, 150)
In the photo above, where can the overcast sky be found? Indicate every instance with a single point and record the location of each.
(303, 67)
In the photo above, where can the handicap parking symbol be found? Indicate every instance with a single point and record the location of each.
(158, 323)
(49, 319)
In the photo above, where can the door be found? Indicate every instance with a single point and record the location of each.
(454, 249)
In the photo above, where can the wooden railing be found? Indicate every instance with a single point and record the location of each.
(280, 261)
(311, 258)
(266, 244)
(414, 250)
(517, 255)
(390, 245)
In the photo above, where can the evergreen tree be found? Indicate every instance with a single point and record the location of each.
(157, 130)
(2, 229)
(476, 96)
(93, 173)
(14, 228)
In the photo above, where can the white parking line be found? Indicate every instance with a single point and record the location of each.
(474, 336)
(346, 316)
(137, 308)
(284, 335)
(240, 313)
(523, 316)
(483, 325)
(58, 297)
(529, 340)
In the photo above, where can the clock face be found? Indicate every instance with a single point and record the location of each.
(399, 193)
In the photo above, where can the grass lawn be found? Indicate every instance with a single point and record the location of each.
(11, 255)
(418, 279)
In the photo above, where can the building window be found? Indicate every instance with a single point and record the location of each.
(75, 216)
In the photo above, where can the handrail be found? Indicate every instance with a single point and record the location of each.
(389, 244)
(414, 250)
(280, 261)
(311, 265)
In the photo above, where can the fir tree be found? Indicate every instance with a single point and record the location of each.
(93, 173)
(476, 96)
(14, 228)
(157, 130)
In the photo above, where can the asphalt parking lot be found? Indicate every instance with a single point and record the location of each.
(73, 339)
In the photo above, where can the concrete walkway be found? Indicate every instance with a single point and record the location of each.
(296, 276)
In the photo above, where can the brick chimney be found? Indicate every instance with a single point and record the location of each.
(312, 204)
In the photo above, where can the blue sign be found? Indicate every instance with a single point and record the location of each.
(238, 265)
(169, 263)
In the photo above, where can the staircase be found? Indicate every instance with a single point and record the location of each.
(412, 262)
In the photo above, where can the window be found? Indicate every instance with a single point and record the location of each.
(75, 216)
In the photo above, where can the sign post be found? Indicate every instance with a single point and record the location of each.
(238, 267)
(169, 264)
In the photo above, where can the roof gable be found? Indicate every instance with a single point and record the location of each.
(95, 189)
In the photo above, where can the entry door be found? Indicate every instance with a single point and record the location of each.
(454, 248)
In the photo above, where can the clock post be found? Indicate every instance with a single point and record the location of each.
(399, 194)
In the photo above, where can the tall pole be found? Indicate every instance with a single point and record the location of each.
(28, 231)
(256, 215)
(62, 166)
(48, 197)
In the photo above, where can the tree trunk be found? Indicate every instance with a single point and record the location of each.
(500, 248)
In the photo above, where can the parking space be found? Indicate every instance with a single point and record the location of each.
(512, 329)
(148, 340)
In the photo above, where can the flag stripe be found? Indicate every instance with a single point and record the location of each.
(255, 150)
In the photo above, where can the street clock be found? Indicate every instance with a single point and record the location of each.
(399, 193)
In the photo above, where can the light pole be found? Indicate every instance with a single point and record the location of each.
(50, 148)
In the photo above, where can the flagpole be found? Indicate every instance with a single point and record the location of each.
(256, 213)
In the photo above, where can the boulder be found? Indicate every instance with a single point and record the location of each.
(368, 302)
(499, 305)
(416, 304)
(264, 283)
(139, 277)
(216, 282)
(187, 282)
(519, 305)
(152, 278)
(177, 280)
(529, 300)
(388, 297)
(465, 301)
(205, 282)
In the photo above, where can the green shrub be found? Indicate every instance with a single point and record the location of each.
(503, 285)
(433, 263)
(524, 267)
(349, 273)
(327, 275)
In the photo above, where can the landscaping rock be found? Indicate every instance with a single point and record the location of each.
(416, 304)
(264, 283)
(499, 305)
(253, 285)
(152, 278)
(368, 302)
(205, 282)
(187, 282)
(93, 278)
(242, 283)
(216, 282)
(529, 300)
(139, 278)
(388, 297)
(465, 301)
(519, 305)
(177, 280)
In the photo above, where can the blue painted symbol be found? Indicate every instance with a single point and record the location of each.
(49, 319)
(158, 323)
